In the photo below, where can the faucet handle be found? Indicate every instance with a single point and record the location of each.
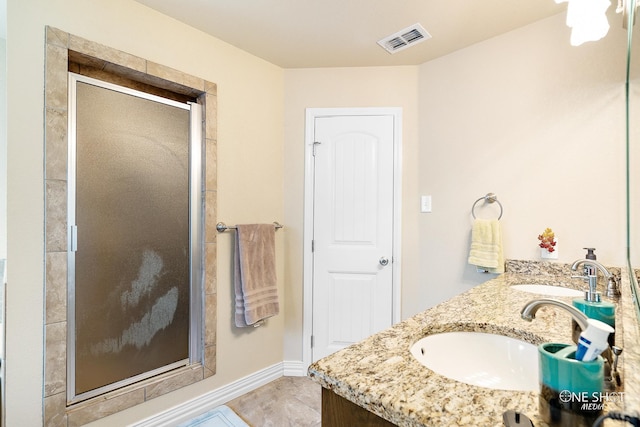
(613, 289)
(616, 353)
(615, 375)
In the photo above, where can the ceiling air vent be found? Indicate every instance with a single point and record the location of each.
(404, 38)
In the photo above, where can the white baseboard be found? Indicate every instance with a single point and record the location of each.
(222, 395)
(294, 368)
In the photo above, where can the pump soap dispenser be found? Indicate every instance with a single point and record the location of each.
(589, 269)
(593, 306)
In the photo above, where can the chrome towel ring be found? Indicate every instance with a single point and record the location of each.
(489, 198)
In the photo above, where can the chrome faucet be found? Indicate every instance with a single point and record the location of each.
(612, 377)
(612, 290)
(528, 312)
(593, 263)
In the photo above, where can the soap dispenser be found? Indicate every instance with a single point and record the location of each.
(593, 306)
(590, 270)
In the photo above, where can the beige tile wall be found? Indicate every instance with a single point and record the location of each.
(60, 47)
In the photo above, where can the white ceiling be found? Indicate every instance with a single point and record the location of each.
(343, 33)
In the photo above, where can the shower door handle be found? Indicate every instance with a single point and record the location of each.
(73, 243)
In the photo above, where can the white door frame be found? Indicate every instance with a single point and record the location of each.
(311, 115)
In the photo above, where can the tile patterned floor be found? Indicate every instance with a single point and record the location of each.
(285, 402)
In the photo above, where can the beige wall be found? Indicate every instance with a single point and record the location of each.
(250, 96)
(539, 123)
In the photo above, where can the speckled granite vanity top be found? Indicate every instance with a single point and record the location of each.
(380, 375)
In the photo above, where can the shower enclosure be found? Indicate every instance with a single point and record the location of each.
(134, 245)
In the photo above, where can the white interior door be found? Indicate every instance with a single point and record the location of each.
(352, 230)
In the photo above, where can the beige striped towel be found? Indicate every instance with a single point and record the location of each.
(255, 282)
(486, 245)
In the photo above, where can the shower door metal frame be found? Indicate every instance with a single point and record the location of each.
(196, 237)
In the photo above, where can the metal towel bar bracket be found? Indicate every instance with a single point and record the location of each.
(489, 198)
(222, 227)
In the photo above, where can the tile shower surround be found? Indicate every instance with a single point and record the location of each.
(66, 52)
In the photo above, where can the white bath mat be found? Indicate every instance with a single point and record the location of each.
(222, 416)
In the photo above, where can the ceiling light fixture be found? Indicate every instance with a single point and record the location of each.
(587, 20)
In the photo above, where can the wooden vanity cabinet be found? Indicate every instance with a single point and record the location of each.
(339, 412)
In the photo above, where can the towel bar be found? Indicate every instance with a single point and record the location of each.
(222, 227)
(489, 198)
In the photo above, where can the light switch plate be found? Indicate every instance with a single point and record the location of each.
(425, 204)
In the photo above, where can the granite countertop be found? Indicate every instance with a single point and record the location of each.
(380, 375)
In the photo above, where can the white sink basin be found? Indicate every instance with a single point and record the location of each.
(556, 291)
(480, 359)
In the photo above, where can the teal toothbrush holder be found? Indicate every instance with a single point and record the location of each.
(570, 389)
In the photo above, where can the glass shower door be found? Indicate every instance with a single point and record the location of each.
(130, 237)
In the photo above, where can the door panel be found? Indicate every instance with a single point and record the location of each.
(353, 230)
(130, 266)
